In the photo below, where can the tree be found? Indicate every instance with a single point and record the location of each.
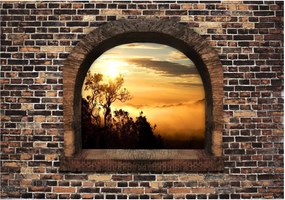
(111, 93)
(134, 134)
(87, 125)
(146, 137)
(92, 84)
(119, 130)
(103, 95)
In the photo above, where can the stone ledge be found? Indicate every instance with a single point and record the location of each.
(210, 164)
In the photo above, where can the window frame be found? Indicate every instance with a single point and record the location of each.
(120, 32)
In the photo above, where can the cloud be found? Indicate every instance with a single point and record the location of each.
(190, 84)
(188, 104)
(180, 121)
(164, 67)
(177, 55)
(141, 46)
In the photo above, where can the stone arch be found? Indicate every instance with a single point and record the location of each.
(143, 30)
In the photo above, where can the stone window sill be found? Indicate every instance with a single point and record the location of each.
(151, 161)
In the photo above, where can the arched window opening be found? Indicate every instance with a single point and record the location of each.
(143, 96)
(158, 84)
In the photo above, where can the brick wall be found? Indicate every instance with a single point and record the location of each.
(37, 37)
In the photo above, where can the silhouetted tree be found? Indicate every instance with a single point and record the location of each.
(92, 85)
(110, 93)
(147, 139)
(135, 134)
(124, 127)
(103, 95)
(87, 125)
(119, 130)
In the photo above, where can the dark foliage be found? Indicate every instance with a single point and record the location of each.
(123, 132)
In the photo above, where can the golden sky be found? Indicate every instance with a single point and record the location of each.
(163, 83)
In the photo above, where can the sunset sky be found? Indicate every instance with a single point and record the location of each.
(163, 83)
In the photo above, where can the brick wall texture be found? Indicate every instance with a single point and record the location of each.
(37, 37)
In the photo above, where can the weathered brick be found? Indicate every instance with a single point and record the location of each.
(29, 49)
(64, 12)
(191, 178)
(88, 12)
(131, 12)
(175, 12)
(133, 190)
(153, 12)
(89, 190)
(36, 39)
(111, 12)
(101, 177)
(144, 178)
(180, 190)
(39, 189)
(111, 190)
(196, 12)
(64, 189)
(15, 112)
(120, 177)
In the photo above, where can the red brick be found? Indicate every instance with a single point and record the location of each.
(179, 190)
(64, 190)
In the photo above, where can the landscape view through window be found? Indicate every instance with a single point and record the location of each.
(143, 96)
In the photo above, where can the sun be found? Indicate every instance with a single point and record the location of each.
(112, 69)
